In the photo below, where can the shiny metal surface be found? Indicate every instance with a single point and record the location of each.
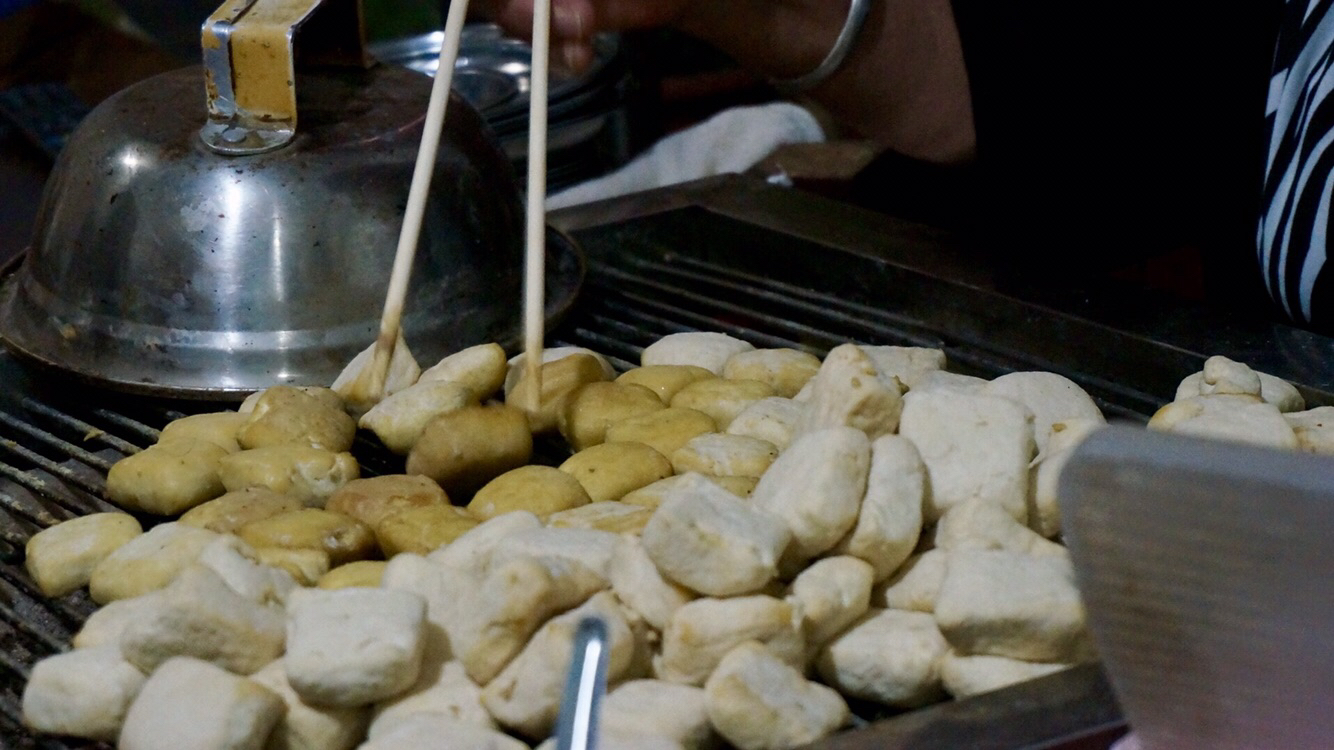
(1205, 569)
(232, 128)
(589, 114)
(159, 266)
(250, 61)
(585, 685)
(492, 69)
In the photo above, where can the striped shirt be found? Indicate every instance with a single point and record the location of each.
(1299, 168)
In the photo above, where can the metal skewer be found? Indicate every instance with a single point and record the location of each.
(577, 725)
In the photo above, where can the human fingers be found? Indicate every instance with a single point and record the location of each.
(571, 20)
(575, 57)
(620, 15)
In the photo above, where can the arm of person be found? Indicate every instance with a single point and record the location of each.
(904, 84)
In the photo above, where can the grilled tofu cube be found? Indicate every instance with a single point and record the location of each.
(61, 559)
(147, 562)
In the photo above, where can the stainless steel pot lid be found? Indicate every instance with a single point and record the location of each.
(210, 365)
(253, 251)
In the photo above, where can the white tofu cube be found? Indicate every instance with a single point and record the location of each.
(442, 688)
(472, 551)
(638, 583)
(817, 487)
(399, 419)
(1050, 397)
(848, 393)
(938, 381)
(831, 595)
(525, 697)
(1314, 429)
(200, 616)
(999, 603)
(106, 625)
(773, 420)
(1224, 376)
(491, 624)
(980, 524)
(890, 519)
(701, 632)
(351, 647)
(758, 702)
(724, 455)
(432, 731)
(973, 446)
(1241, 419)
(238, 565)
(702, 349)
(589, 547)
(1044, 510)
(915, 586)
(963, 676)
(707, 539)
(654, 708)
(83, 693)
(484, 620)
(910, 364)
(890, 657)
(307, 727)
(189, 703)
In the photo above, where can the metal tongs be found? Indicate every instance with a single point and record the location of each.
(577, 725)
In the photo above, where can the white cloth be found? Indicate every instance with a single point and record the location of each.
(731, 141)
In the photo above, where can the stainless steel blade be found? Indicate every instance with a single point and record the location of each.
(1208, 573)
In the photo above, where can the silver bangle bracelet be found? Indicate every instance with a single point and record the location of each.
(837, 54)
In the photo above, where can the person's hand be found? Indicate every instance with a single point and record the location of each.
(771, 37)
(904, 84)
(574, 22)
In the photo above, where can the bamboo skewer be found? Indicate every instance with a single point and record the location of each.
(535, 239)
(371, 382)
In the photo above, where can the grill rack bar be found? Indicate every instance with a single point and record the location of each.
(89, 431)
(42, 436)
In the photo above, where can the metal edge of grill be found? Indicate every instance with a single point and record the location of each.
(678, 260)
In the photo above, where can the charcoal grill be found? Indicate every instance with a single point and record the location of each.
(775, 267)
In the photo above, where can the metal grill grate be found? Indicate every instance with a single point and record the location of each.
(56, 447)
